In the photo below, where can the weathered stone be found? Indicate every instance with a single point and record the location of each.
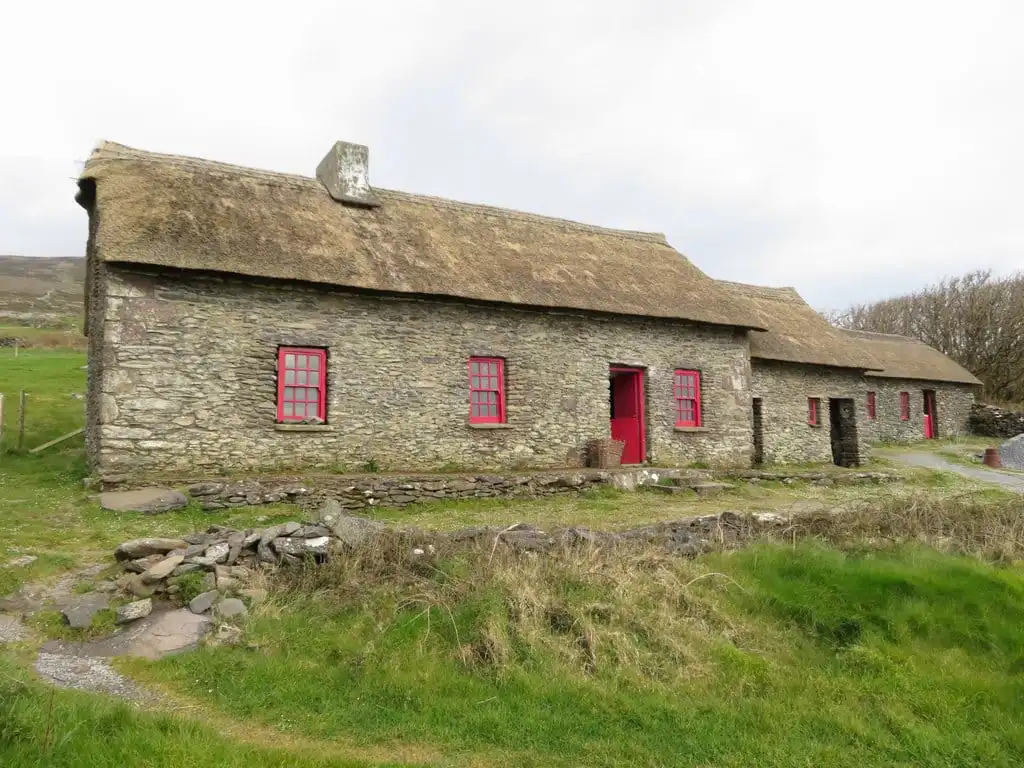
(186, 568)
(209, 583)
(234, 543)
(254, 596)
(150, 501)
(290, 545)
(230, 608)
(162, 569)
(354, 532)
(132, 611)
(312, 532)
(290, 528)
(265, 554)
(136, 548)
(1011, 453)
(205, 489)
(218, 552)
(203, 602)
(143, 564)
(203, 562)
(80, 612)
(138, 587)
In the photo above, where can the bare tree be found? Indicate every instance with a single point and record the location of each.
(976, 319)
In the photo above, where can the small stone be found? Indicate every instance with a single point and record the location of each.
(184, 568)
(209, 583)
(286, 545)
(136, 548)
(227, 635)
(290, 528)
(137, 587)
(219, 552)
(203, 562)
(79, 614)
(254, 596)
(229, 608)
(356, 531)
(143, 564)
(21, 562)
(251, 539)
(132, 611)
(162, 569)
(203, 602)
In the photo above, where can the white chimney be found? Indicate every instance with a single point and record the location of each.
(345, 173)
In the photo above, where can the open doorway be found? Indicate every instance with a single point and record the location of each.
(842, 416)
(758, 433)
(626, 406)
(931, 423)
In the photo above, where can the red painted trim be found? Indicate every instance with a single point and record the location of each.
(872, 406)
(640, 397)
(500, 417)
(904, 406)
(812, 410)
(320, 386)
(697, 419)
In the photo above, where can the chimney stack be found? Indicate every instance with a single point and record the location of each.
(345, 173)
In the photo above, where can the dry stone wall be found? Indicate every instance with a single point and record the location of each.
(187, 380)
(991, 421)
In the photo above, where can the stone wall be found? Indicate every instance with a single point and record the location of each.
(953, 406)
(990, 421)
(188, 380)
(784, 389)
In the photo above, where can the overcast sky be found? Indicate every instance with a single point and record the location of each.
(852, 150)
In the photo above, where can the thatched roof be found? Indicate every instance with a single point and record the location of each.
(903, 357)
(184, 213)
(796, 333)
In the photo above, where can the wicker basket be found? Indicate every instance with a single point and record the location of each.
(605, 452)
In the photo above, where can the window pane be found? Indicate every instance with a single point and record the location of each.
(300, 377)
(474, 368)
(301, 410)
(494, 369)
(289, 409)
(492, 397)
(289, 377)
(474, 382)
(475, 410)
(300, 361)
(289, 361)
(494, 410)
(289, 393)
(314, 362)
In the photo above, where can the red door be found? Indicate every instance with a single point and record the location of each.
(627, 413)
(929, 413)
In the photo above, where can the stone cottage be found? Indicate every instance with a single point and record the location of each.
(240, 319)
(915, 392)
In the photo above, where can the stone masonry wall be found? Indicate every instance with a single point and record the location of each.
(784, 389)
(189, 380)
(953, 404)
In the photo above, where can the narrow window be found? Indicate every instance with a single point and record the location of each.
(301, 384)
(486, 390)
(904, 406)
(871, 406)
(813, 410)
(686, 394)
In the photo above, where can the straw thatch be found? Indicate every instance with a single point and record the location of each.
(184, 213)
(902, 357)
(796, 333)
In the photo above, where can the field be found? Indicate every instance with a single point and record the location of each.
(894, 637)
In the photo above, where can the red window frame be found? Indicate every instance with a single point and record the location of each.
(301, 384)
(486, 377)
(813, 410)
(686, 397)
(872, 406)
(904, 406)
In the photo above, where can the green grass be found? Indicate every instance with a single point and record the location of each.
(50, 377)
(46, 728)
(789, 657)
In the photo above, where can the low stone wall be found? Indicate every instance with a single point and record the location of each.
(990, 421)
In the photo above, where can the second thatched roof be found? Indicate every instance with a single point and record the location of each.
(795, 332)
(183, 213)
(902, 357)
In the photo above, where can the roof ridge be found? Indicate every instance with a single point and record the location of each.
(112, 151)
(767, 291)
(883, 335)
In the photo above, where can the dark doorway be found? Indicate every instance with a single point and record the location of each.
(758, 433)
(931, 424)
(627, 413)
(842, 416)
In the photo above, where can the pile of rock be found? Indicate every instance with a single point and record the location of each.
(990, 421)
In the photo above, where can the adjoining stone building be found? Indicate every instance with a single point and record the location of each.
(241, 320)
(916, 392)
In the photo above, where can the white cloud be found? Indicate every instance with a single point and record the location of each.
(852, 150)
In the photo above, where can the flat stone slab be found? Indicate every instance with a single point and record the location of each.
(158, 635)
(139, 548)
(150, 501)
(80, 611)
(140, 609)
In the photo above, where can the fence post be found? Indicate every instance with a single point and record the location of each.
(1, 422)
(21, 420)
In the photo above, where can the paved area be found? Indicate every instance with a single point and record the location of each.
(1010, 482)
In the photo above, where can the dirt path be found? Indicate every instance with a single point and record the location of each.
(926, 460)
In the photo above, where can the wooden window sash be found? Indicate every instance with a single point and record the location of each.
(686, 397)
(301, 388)
(486, 390)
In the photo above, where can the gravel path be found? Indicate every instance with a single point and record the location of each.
(934, 461)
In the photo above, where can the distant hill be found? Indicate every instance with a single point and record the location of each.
(41, 291)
